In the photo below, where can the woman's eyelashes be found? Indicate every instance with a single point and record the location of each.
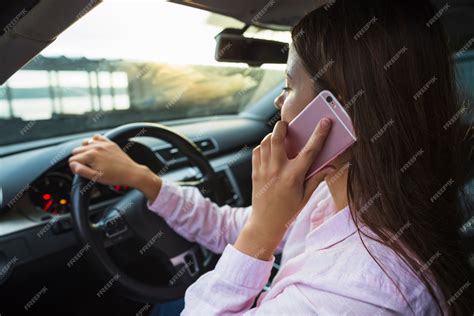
(286, 89)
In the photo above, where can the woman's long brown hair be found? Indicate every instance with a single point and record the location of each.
(390, 64)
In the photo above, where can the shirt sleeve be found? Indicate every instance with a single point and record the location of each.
(198, 219)
(232, 287)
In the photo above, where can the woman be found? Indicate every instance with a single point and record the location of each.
(374, 233)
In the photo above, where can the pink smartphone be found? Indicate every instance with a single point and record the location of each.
(340, 137)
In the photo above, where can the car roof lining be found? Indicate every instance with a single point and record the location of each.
(13, 11)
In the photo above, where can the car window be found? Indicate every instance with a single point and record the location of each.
(128, 61)
(465, 76)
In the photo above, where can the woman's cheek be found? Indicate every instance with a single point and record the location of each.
(284, 111)
(290, 113)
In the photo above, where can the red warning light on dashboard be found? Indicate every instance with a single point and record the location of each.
(46, 196)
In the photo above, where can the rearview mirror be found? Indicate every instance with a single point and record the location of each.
(232, 46)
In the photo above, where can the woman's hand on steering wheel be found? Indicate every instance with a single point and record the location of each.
(103, 161)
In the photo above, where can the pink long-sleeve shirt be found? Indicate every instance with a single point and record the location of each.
(325, 268)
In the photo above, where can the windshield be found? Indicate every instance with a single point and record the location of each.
(129, 61)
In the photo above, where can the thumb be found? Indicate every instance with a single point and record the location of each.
(314, 181)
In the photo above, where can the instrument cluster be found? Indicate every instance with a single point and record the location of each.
(51, 193)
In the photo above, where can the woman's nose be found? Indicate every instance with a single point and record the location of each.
(278, 102)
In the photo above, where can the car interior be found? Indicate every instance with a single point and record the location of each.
(184, 87)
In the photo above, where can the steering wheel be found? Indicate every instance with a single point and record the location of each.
(130, 216)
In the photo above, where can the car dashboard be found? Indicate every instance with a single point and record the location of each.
(35, 219)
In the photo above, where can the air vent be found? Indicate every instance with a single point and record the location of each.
(169, 154)
(206, 145)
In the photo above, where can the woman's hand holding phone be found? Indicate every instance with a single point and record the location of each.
(279, 189)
